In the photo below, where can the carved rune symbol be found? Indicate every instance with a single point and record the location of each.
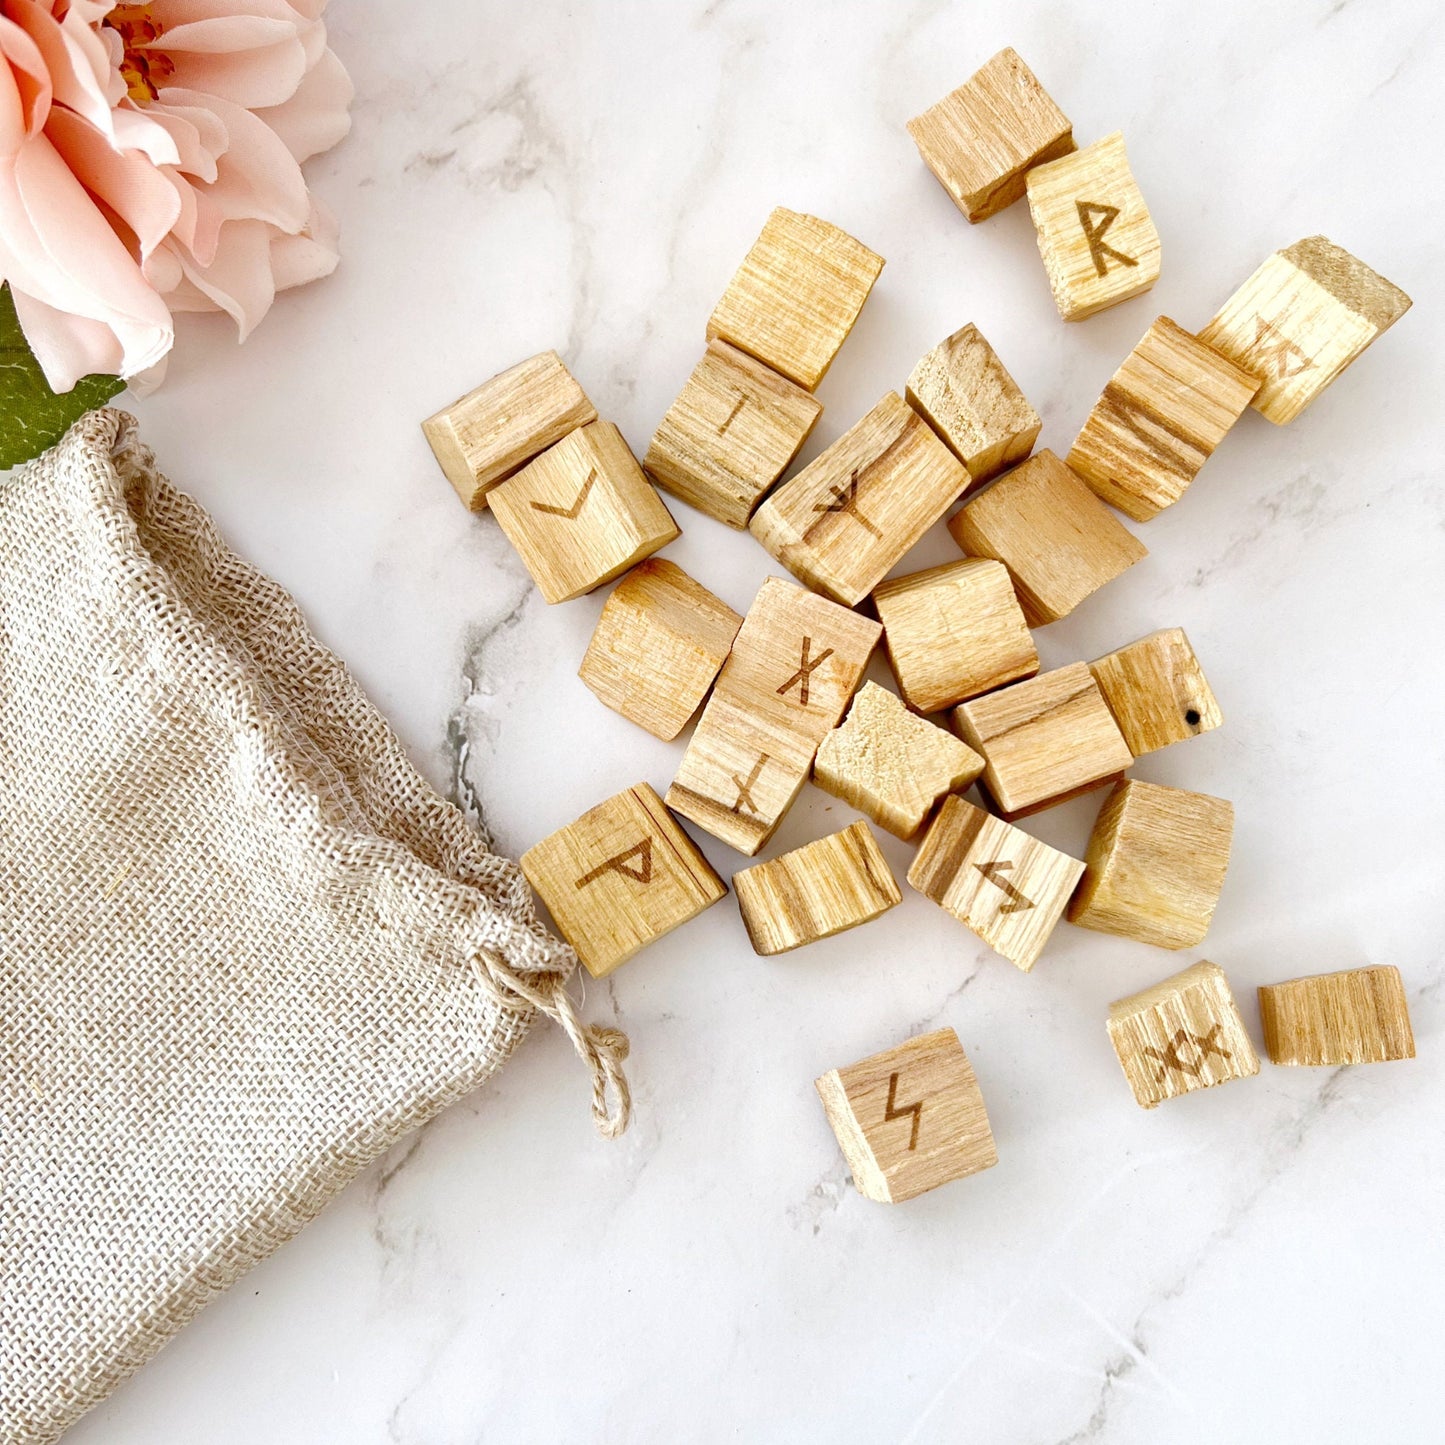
(845, 500)
(745, 789)
(1278, 350)
(570, 513)
(800, 678)
(916, 1109)
(738, 405)
(1204, 1045)
(1099, 250)
(1017, 902)
(640, 872)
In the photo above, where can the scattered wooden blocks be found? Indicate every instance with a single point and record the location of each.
(582, 513)
(1167, 408)
(1155, 865)
(1157, 691)
(910, 1118)
(1005, 885)
(1059, 542)
(620, 877)
(796, 296)
(1044, 740)
(820, 889)
(486, 435)
(1357, 1016)
(848, 516)
(1183, 1034)
(731, 433)
(890, 764)
(1095, 233)
(953, 632)
(1301, 319)
(794, 665)
(980, 139)
(658, 646)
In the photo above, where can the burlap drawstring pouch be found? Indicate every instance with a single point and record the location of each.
(245, 946)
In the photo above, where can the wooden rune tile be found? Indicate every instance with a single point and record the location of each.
(1157, 691)
(1356, 1016)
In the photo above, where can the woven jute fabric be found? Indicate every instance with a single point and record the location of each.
(243, 946)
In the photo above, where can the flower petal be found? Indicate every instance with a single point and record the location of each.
(295, 260)
(316, 117)
(239, 279)
(264, 76)
(222, 35)
(25, 101)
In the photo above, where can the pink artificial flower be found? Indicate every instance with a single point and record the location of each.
(150, 163)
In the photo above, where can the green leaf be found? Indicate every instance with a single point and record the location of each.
(32, 417)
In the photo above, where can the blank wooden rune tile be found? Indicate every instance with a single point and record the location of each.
(620, 877)
(963, 392)
(1044, 740)
(910, 1118)
(731, 433)
(891, 764)
(843, 522)
(582, 513)
(1301, 319)
(794, 666)
(659, 643)
(486, 435)
(1059, 542)
(820, 889)
(795, 298)
(953, 632)
(1157, 691)
(1356, 1016)
(1005, 885)
(1183, 1034)
(1094, 231)
(980, 139)
(1155, 865)
(1160, 417)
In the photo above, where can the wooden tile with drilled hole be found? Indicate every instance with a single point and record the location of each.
(1183, 1034)
(795, 664)
(824, 887)
(963, 392)
(980, 139)
(731, 433)
(1157, 691)
(1160, 417)
(844, 521)
(795, 298)
(1044, 740)
(620, 877)
(659, 643)
(582, 513)
(891, 764)
(910, 1118)
(1095, 233)
(1005, 885)
(1059, 542)
(1155, 865)
(953, 632)
(1301, 319)
(485, 436)
(1356, 1016)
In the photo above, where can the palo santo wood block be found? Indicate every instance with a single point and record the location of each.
(847, 517)
(1095, 233)
(1157, 691)
(659, 643)
(963, 392)
(820, 889)
(1059, 542)
(620, 877)
(910, 1118)
(1356, 1016)
(1155, 865)
(953, 632)
(795, 298)
(486, 435)
(1006, 886)
(980, 139)
(1160, 417)
(1183, 1034)
(582, 513)
(794, 665)
(731, 433)
(891, 764)
(1301, 319)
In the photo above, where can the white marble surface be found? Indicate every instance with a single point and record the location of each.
(1259, 1262)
